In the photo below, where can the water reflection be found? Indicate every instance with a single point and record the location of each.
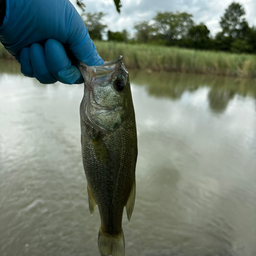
(219, 99)
(221, 89)
(195, 175)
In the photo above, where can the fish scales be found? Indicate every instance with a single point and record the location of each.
(109, 149)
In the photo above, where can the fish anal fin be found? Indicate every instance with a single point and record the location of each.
(131, 201)
(91, 200)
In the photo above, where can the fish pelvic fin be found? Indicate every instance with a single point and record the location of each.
(111, 245)
(91, 200)
(131, 201)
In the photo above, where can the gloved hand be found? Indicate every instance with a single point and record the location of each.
(40, 33)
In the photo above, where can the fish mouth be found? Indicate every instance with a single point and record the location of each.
(91, 73)
(107, 64)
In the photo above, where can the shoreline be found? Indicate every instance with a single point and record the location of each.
(154, 58)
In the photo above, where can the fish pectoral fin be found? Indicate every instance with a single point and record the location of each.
(131, 201)
(91, 200)
(100, 150)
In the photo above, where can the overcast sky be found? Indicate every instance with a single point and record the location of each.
(208, 12)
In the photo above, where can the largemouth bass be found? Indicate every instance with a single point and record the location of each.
(109, 149)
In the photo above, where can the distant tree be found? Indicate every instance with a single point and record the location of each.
(234, 26)
(144, 31)
(251, 40)
(94, 24)
(118, 36)
(173, 26)
(240, 46)
(233, 23)
(222, 42)
(199, 35)
(125, 35)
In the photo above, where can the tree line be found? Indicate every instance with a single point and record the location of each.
(179, 29)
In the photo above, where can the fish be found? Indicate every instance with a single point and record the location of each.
(109, 149)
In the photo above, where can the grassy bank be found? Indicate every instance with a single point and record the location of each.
(160, 58)
(4, 54)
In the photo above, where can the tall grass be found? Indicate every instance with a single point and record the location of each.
(161, 58)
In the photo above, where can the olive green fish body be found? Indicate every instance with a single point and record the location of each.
(109, 149)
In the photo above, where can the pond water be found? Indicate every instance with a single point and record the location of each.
(196, 170)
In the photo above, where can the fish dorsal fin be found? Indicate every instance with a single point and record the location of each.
(131, 201)
(91, 200)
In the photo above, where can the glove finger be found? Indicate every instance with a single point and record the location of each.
(26, 68)
(56, 57)
(86, 52)
(81, 44)
(80, 80)
(70, 75)
(59, 64)
(38, 63)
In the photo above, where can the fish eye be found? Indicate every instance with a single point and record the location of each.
(119, 84)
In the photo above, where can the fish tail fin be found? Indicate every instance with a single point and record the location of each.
(111, 245)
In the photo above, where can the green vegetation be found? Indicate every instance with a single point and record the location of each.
(118, 36)
(179, 29)
(9, 67)
(4, 54)
(94, 25)
(173, 59)
(173, 26)
(162, 58)
(171, 41)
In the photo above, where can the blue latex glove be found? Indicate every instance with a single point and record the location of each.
(35, 32)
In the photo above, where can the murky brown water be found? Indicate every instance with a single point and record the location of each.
(196, 172)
